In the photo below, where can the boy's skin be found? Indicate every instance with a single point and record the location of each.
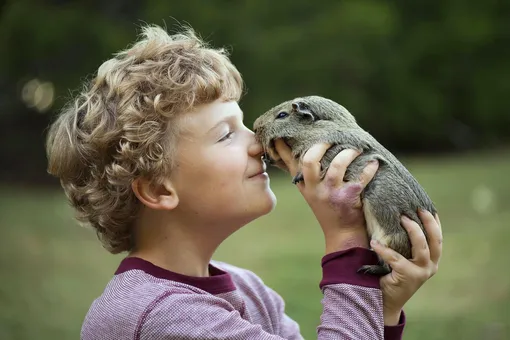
(211, 194)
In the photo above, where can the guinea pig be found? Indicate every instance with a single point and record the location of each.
(305, 121)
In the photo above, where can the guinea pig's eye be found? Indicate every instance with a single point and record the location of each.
(282, 114)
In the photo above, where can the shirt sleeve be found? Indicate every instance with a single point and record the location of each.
(352, 303)
(352, 309)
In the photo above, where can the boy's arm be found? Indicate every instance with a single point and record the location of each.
(352, 304)
(352, 309)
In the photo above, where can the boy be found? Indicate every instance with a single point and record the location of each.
(154, 155)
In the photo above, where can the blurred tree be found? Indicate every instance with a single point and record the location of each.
(421, 76)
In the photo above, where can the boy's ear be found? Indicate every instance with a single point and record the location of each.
(301, 109)
(155, 196)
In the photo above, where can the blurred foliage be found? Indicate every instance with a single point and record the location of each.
(421, 76)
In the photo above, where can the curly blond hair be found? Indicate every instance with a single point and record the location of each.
(121, 125)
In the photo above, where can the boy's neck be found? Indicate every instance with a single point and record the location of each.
(186, 249)
(182, 263)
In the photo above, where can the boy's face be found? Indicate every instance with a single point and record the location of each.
(218, 173)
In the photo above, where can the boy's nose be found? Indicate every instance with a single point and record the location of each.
(256, 149)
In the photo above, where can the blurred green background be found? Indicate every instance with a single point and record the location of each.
(429, 79)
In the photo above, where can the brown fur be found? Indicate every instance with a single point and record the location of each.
(303, 122)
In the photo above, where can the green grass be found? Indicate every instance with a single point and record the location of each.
(51, 269)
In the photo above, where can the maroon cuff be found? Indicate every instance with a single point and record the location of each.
(342, 266)
(395, 332)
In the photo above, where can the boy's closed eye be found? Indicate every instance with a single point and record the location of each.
(227, 136)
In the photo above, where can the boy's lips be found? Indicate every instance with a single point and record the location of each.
(259, 172)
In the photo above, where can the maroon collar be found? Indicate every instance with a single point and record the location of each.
(218, 282)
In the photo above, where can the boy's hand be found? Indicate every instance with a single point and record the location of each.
(408, 276)
(336, 204)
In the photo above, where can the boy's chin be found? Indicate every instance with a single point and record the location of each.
(270, 204)
(265, 205)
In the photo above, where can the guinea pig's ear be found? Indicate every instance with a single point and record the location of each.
(302, 109)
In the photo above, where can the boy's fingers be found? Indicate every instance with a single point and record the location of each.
(433, 228)
(338, 166)
(368, 173)
(438, 221)
(395, 260)
(420, 248)
(311, 166)
(285, 153)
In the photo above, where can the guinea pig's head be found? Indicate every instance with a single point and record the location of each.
(284, 121)
(288, 119)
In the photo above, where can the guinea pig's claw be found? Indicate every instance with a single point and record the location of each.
(266, 159)
(298, 178)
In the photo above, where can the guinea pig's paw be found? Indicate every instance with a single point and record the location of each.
(376, 270)
(298, 178)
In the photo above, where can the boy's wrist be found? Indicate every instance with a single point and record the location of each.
(391, 318)
(346, 239)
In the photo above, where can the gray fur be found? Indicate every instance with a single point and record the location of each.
(391, 193)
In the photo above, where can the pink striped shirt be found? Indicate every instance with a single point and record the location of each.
(143, 301)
